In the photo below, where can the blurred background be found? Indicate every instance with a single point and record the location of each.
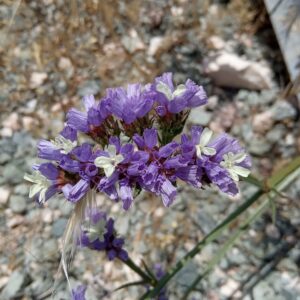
(53, 52)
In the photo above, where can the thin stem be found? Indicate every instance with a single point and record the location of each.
(130, 263)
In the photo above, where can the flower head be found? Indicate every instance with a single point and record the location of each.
(98, 233)
(109, 162)
(175, 99)
(231, 163)
(47, 180)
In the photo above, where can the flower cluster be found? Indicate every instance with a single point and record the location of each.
(133, 147)
(98, 233)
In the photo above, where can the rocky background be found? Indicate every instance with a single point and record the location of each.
(53, 52)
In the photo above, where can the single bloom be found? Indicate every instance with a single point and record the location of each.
(175, 99)
(109, 162)
(47, 181)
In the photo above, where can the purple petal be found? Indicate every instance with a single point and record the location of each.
(78, 190)
(116, 142)
(46, 150)
(77, 120)
(88, 102)
(112, 254)
(49, 170)
(199, 96)
(70, 165)
(177, 105)
(83, 153)
(79, 293)
(167, 150)
(126, 196)
(69, 133)
(168, 192)
(150, 138)
(139, 141)
(94, 117)
(189, 175)
(123, 255)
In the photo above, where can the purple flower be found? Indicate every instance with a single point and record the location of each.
(176, 99)
(76, 192)
(155, 175)
(47, 180)
(131, 103)
(220, 161)
(60, 146)
(95, 115)
(99, 234)
(79, 293)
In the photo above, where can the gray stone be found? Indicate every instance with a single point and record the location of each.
(286, 264)
(13, 286)
(205, 221)
(283, 110)
(51, 250)
(22, 189)
(39, 286)
(237, 257)
(91, 87)
(59, 227)
(65, 207)
(12, 174)
(198, 116)
(259, 146)
(276, 133)
(187, 275)
(17, 204)
(4, 158)
(263, 291)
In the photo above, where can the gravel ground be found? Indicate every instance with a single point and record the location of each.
(54, 52)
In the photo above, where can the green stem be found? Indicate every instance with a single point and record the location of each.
(130, 263)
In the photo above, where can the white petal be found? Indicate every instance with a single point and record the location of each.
(119, 158)
(233, 175)
(241, 171)
(42, 196)
(34, 189)
(209, 151)
(164, 89)
(205, 136)
(239, 157)
(109, 170)
(102, 162)
(179, 90)
(198, 151)
(29, 177)
(112, 151)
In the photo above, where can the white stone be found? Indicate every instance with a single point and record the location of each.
(133, 42)
(156, 44)
(29, 123)
(230, 70)
(64, 63)
(4, 195)
(37, 79)
(215, 42)
(229, 287)
(262, 122)
(12, 122)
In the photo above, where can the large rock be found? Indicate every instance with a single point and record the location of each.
(230, 70)
(13, 286)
